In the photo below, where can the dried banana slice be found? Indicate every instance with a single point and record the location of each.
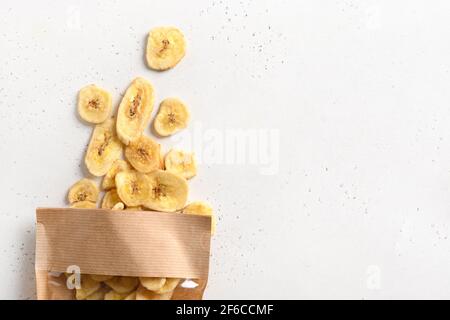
(88, 287)
(168, 191)
(165, 48)
(119, 206)
(134, 209)
(135, 110)
(144, 294)
(144, 154)
(202, 208)
(133, 187)
(123, 285)
(173, 116)
(131, 296)
(84, 205)
(169, 286)
(181, 163)
(94, 104)
(109, 181)
(83, 190)
(98, 295)
(162, 165)
(113, 295)
(104, 149)
(110, 199)
(152, 284)
(100, 278)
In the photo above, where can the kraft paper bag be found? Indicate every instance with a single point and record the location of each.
(121, 243)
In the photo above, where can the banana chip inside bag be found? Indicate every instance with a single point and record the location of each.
(96, 287)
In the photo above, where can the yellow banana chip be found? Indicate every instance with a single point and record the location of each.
(84, 205)
(168, 191)
(133, 187)
(169, 286)
(144, 154)
(100, 278)
(94, 104)
(134, 209)
(98, 295)
(135, 110)
(202, 208)
(104, 149)
(119, 206)
(181, 163)
(110, 199)
(173, 116)
(109, 181)
(165, 48)
(113, 295)
(123, 285)
(144, 294)
(131, 296)
(83, 190)
(152, 284)
(88, 287)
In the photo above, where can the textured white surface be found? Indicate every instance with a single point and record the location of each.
(357, 92)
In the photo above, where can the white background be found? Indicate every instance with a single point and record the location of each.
(358, 91)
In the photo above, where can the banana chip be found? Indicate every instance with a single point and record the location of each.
(100, 278)
(104, 149)
(134, 188)
(152, 284)
(173, 116)
(88, 287)
(94, 104)
(83, 190)
(165, 48)
(135, 110)
(110, 199)
(123, 285)
(162, 165)
(168, 191)
(84, 205)
(113, 295)
(144, 154)
(202, 208)
(134, 209)
(181, 163)
(118, 206)
(131, 296)
(98, 295)
(169, 286)
(109, 181)
(144, 294)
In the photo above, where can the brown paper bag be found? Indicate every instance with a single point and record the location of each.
(121, 243)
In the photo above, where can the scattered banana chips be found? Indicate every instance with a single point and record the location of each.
(92, 254)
